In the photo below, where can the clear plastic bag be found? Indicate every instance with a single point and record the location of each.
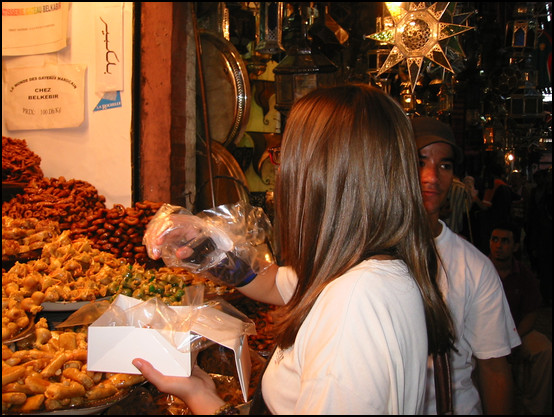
(166, 218)
(182, 326)
(229, 244)
(85, 314)
(246, 325)
(155, 314)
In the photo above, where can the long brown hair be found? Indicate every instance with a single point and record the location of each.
(348, 189)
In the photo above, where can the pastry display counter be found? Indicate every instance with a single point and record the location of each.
(64, 250)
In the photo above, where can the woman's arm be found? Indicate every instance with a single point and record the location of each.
(263, 287)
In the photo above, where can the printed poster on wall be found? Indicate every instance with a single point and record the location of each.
(30, 28)
(49, 97)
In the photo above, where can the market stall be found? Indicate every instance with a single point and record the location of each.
(193, 120)
(65, 258)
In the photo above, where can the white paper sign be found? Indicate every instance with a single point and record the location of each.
(46, 97)
(30, 28)
(109, 46)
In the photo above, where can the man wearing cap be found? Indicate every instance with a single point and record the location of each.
(485, 330)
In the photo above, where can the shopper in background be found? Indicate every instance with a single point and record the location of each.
(497, 203)
(539, 231)
(455, 210)
(469, 182)
(485, 331)
(532, 361)
(475, 211)
(359, 286)
(521, 190)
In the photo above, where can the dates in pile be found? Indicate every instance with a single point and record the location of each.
(118, 230)
(76, 205)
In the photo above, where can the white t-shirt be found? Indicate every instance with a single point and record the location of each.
(361, 350)
(482, 319)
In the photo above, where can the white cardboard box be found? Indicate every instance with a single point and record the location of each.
(111, 348)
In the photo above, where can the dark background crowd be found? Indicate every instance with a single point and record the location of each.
(500, 198)
(509, 219)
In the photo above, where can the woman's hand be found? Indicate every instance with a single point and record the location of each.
(198, 391)
(160, 227)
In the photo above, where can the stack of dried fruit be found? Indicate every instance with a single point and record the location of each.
(19, 163)
(118, 230)
(61, 200)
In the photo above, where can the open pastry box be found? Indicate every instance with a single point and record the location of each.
(166, 337)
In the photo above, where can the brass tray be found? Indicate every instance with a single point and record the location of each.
(228, 94)
(89, 408)
(24, 333)
(52, 306)
(230, 183)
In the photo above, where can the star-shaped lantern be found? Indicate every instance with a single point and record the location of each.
(415, 35)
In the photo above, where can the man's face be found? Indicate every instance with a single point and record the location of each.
(436, 173)
(502, 245)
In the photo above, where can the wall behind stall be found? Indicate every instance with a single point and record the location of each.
(98, 151)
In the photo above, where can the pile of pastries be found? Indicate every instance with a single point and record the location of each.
(48, 372)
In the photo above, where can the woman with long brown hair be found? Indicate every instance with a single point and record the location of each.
(362, 310)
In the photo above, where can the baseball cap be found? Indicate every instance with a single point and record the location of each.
(428, 130)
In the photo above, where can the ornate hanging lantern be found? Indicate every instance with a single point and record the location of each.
(301, 71)
(270, 28)
(415, 36)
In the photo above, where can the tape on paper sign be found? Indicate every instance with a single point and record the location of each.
(110, 100)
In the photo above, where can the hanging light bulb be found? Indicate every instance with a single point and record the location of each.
(407, 98)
